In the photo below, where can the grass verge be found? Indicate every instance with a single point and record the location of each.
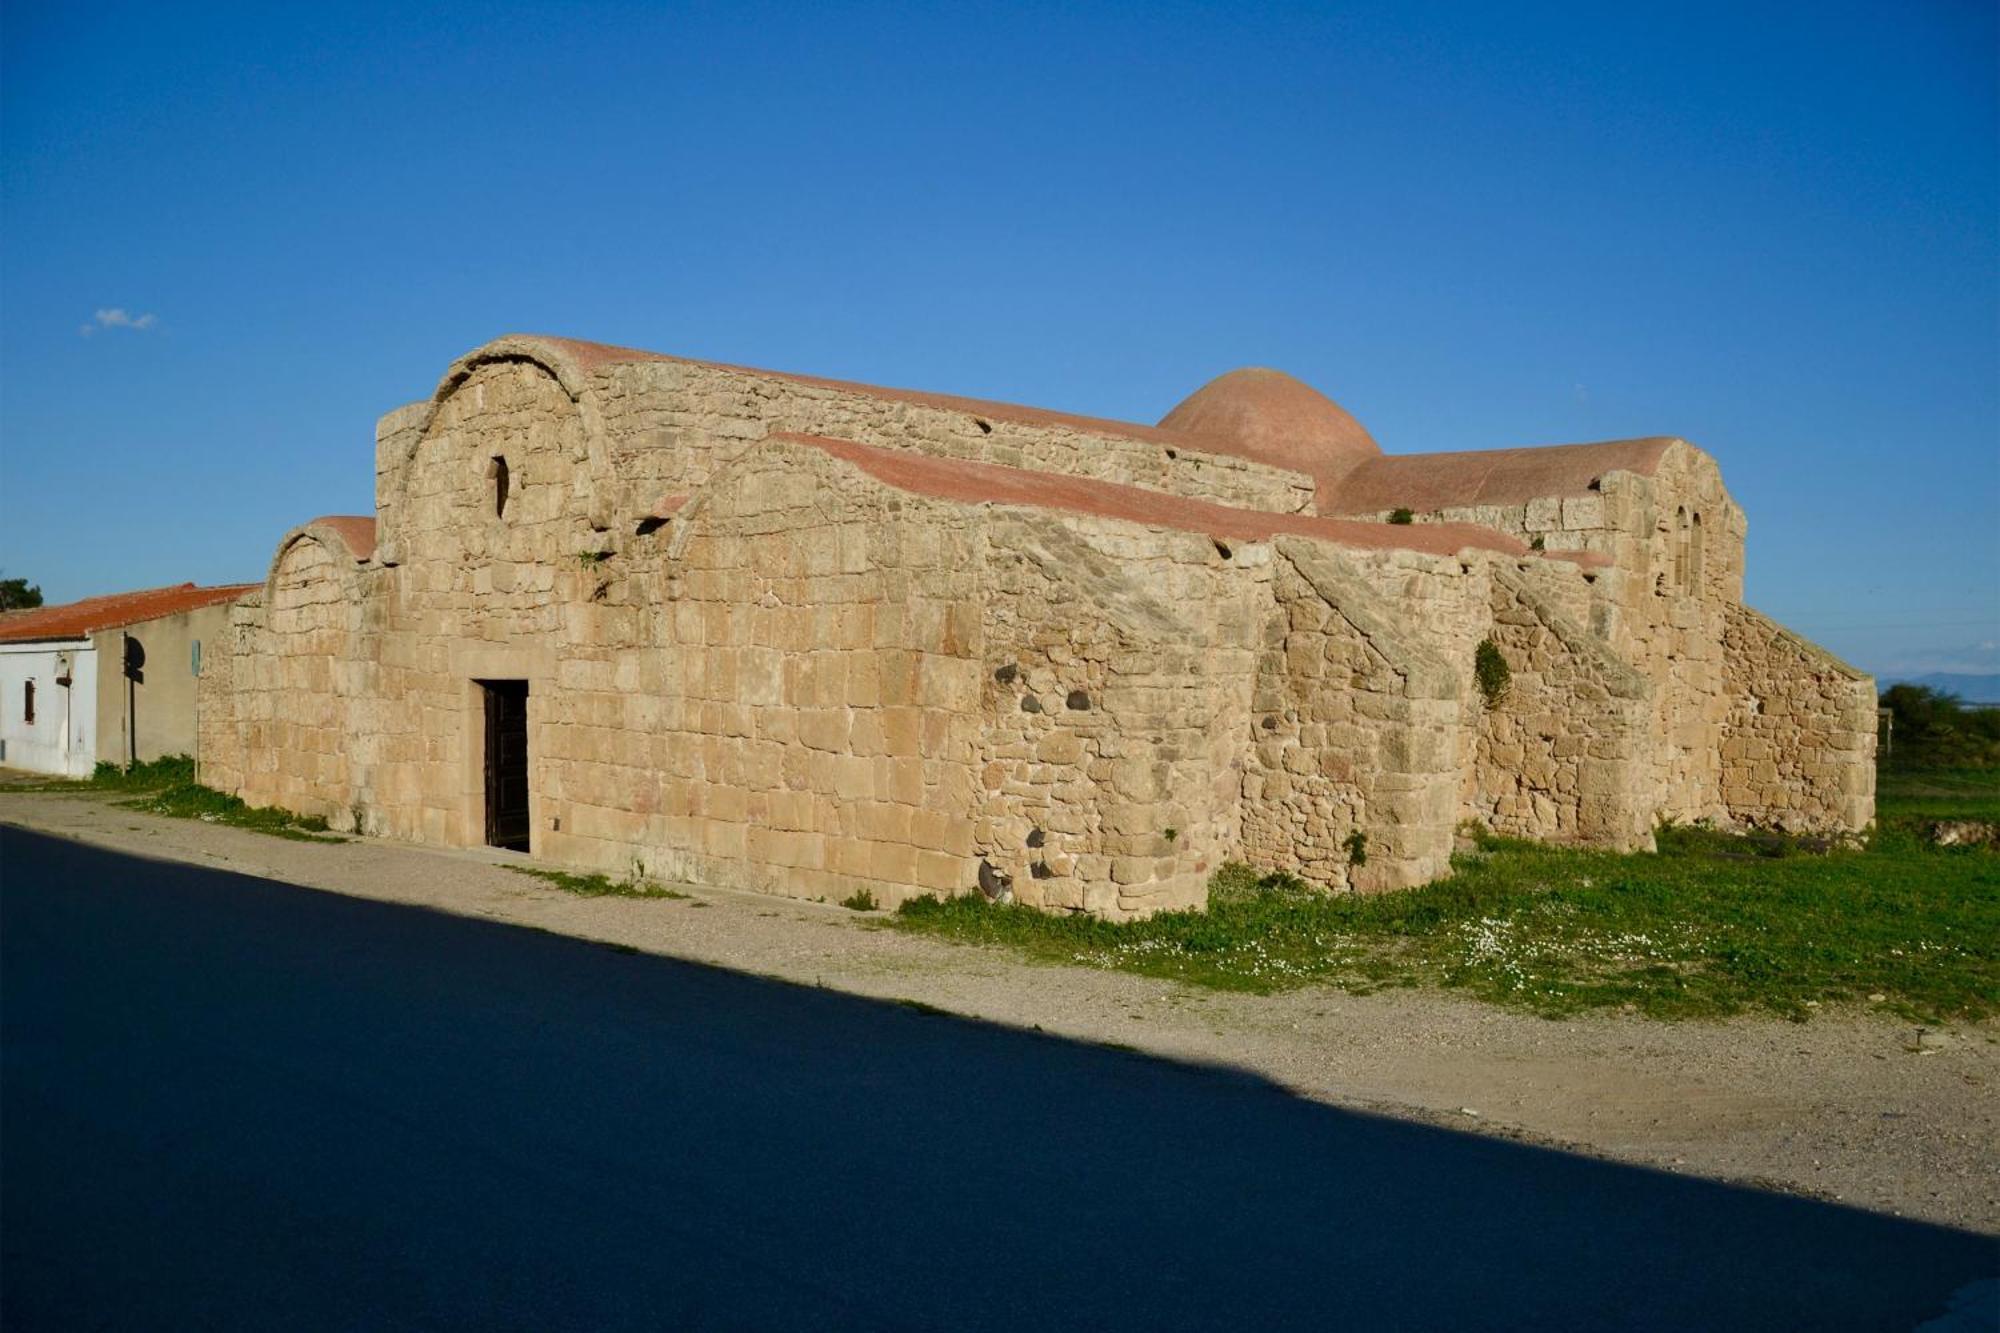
(191, 800)
(167, 787)
(600, 886)
(1710, 926)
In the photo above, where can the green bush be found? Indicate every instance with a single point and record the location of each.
(172, 771)
(1934, 729)
(1402, 516)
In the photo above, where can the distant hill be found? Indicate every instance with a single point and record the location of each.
(1973, 689)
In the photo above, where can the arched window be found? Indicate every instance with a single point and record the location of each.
(1694, 556)
(1681, 549)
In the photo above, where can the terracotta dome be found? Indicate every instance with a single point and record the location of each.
(1268, 416)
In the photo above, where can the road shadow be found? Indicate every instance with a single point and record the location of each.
(234, 1103)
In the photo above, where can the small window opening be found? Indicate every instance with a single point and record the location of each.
(1222, 549)
(1681, 549)
(1172, 454)
(502, 481)
(985, 426)
(1694, 555)
(28, 703)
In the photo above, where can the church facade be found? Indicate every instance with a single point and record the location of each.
(643, 614)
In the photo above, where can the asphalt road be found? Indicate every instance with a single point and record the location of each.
(229, 1103)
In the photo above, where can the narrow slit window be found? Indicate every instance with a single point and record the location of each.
(28, 703)
(502, 480)
(1681, 550)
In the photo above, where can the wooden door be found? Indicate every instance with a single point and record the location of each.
(507, 763)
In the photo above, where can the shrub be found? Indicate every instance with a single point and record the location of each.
(1934, 729)
(1489, 667)
(1402, 516)
(862, 900)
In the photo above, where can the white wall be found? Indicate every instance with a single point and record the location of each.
(62, 739)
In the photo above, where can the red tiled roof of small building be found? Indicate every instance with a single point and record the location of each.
(74, 620)
(991, 483)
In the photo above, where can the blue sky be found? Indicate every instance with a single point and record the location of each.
(231, 238)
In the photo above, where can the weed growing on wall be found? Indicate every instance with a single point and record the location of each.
(1490, 669)
(1356, 844)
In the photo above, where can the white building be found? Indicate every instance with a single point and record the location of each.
(67, 699)
(49, 692)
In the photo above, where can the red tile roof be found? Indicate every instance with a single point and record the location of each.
(591, 356)
(1425, 482)
(74, 620)
(356, 530)
(1269, 417)
(990, 483)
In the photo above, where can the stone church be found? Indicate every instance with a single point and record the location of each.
(637, 613)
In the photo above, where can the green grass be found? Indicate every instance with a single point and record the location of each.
(191, 800)
(152, 775)
(1910, 796)
(167, 787)
(601, 886)
(1709, 927)
(862, 900)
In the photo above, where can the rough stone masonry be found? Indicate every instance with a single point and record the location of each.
(811, 637)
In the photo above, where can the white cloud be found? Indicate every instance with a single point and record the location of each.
(117, 317)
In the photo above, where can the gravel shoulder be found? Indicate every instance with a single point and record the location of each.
(1851, 1106)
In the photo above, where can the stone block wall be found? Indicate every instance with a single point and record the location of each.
(1799, 750)
(1674, 539)
(813, 728)
(220, 760)
(1561, 754)
(1354, 731)
(671, 424)
(285, 719)
(1113, 699)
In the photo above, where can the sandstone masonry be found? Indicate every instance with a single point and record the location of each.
(809, 637)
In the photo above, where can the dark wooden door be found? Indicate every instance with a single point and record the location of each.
(507, 763)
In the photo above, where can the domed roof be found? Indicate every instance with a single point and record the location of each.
(1269, 417)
